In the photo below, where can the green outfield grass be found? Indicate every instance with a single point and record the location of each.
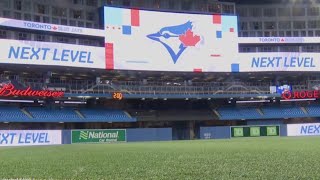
(250, 158)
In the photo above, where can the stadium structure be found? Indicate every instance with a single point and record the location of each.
(158, 69)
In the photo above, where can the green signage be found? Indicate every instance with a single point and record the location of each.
(272, 131)
(255, 131)
(238, 132)
(98, 136)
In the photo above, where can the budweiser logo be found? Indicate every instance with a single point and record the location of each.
(10, 90)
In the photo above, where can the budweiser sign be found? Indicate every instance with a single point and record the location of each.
(301, 94)
(10, 90)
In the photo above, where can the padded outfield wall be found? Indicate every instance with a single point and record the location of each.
(57, 137)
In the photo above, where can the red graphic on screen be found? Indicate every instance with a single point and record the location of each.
(189, 39)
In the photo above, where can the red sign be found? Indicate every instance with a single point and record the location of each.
(10, 90)
(301, 94)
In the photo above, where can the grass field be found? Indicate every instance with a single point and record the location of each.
(250, 158)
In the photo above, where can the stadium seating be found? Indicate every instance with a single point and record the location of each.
(106, 115)
(8, 114)
(239, 113)
(43, 114)
(313, 110)
(47, 114)
(283, 112)
(231, 113)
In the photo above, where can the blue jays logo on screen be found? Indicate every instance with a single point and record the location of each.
(183, 35)
(284, 88)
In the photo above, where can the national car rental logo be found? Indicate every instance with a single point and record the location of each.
(176, 39)
(84, 135)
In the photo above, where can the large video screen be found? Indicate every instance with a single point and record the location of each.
(167, 41)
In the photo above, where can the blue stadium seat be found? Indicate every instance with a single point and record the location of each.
(283, 112)
(53, 115)
(313, 110)
(231, 113)
(12, 114)
(237, 113)
(106, 115)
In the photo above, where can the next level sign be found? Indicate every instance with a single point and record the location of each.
(303, 129)
(29, 137)
(51, 54)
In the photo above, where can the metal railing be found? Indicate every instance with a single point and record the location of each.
(140, 87)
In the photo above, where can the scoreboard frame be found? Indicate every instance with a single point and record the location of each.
(255, 131)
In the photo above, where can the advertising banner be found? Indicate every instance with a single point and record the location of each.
(278, 40)
(50, 27)
(255, 131)
(51, 54)
(168, 41)
(98, 136)
(29, 137)
(278, 61)
(303, 129)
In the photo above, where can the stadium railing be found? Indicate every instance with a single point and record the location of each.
(140, 87)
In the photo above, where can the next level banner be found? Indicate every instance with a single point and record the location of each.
(280, 61)
(29, 137)
(303, 129)
(52, 54)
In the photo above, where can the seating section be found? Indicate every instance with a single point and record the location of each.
(231, 113)
(284, 112)
(106, 115)
(272, 112)
(8, 114)
(43, 114)
(47, 114)
(313, 110)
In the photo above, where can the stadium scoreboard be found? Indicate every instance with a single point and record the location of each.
(117, 96)
(255, 131)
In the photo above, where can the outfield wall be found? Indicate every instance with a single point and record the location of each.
(226, 132)
(215, 132)
(56, 137)
(149, 134)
